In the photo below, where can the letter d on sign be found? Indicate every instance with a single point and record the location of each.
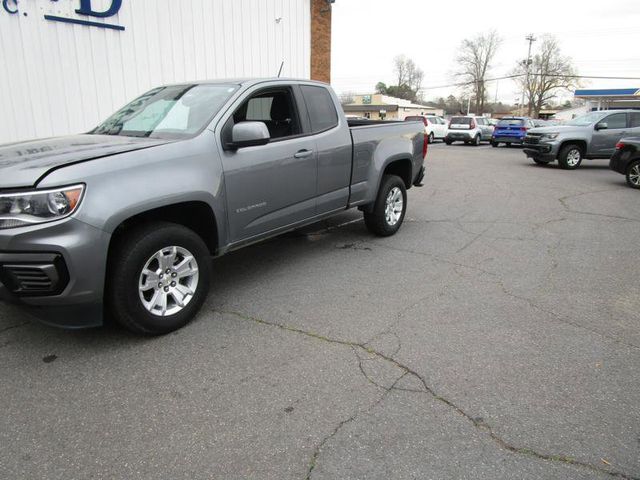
(85, 9)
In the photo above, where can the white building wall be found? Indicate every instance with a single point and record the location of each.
(58, 78)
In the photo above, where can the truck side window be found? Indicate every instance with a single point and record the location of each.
(619, 120)
(275, 108)
(635, 120)
(322, 110)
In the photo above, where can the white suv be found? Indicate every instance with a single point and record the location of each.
(434, 127)
(469, 129)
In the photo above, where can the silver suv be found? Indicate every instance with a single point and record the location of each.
(590, 136)
(469, 129)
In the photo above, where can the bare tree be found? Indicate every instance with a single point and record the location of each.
(347, 98)
(549, 73)
(474, 60)
(409, 77)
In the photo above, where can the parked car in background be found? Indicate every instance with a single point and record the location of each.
(125, 219)
(589, 136)
(468, 129)
(492, 121)
(435, 128)
(626, 160)
(511, 130)
(538, 122)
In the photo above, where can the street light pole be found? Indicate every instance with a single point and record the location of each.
(530, 38)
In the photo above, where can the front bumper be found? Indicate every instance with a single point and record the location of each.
(55, 271)
(541, 151)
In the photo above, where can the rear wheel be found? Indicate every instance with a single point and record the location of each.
(158, 278)
(389, 209)
(570, 157)
(448, 141)
(495, 144)
(633, 174)
(431, 138)
(476, 140)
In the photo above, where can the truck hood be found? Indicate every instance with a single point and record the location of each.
(557, 129)
(23, 164)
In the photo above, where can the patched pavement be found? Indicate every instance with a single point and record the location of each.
(497, 335)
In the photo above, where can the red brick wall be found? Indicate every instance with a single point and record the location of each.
(321, 40)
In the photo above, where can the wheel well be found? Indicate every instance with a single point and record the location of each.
(196, 216)
(401, 168)
(580, 143)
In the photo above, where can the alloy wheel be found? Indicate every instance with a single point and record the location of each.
(394, 206)
(168, 281)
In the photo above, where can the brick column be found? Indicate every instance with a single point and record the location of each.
(321, 40)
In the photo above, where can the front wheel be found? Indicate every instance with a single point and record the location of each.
(389, 209)
(158, 278)
(633, 174)
(570, 157)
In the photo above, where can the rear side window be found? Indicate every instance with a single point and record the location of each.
(635, 120)
(322, 111)
(511, 122)
(461, 121)
(619, 120)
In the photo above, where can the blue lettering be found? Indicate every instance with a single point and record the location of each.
(85, 9)
(5, 5)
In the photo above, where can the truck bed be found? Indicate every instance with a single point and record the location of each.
(374, 143)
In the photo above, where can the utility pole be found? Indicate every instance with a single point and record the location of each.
(530, 38)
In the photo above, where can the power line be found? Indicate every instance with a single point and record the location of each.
(507, 77)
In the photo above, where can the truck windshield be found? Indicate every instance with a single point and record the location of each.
(172, 112)
(585, 120)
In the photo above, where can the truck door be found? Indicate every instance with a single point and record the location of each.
(333, 144)
(604, 139)
(273, 185)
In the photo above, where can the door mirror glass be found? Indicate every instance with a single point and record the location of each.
(602, 126)
(249, 134)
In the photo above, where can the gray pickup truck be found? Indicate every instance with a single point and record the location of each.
(123, 220)
(590, 136)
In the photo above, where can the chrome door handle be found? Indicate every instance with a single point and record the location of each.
(303, 153)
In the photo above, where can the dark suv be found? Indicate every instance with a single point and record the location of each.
(626, 160)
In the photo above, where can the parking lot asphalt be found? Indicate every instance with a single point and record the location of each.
(496, 336)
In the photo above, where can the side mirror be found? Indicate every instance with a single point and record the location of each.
(249, 134)
(602, 126)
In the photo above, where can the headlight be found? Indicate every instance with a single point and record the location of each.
(38, 206)
(549, 136)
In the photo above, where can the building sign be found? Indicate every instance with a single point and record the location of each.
(85, 12)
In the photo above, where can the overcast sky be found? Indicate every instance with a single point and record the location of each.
(602, 37)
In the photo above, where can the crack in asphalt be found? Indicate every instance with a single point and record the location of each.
(11, 327)
(563, 202)
(478, 423)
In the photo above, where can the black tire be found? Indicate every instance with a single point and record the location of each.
(633, 174)
(567, 159)
(541, 162)
(495, 144)
(377, 221)
(126, 262)
(432, 138)
(476, 140)
(447, 141)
